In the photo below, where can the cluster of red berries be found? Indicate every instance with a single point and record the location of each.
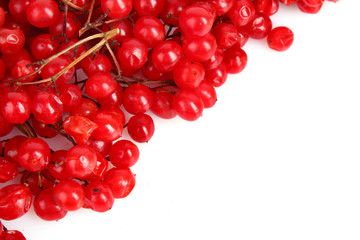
(73, 67)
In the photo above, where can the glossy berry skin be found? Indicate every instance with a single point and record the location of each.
(221, 6)
(97, 63)
(207, 94)
(17, 9)
(215, 60)
(15, 201)
(133, 53)
(124, 154)
(173, 8)
(11, 40)
(260, 26)
(196, 21)
(226, 35)
(46, 208)
(138, 98)
(242, 12)
(188, 74)
(70, 95)
(69, 195)
(166, 55)
(56, 66)
(149, 29)
(43, 46)
(99, 146)
(120, 181)
(99, 196)
(57, 166)
(42, 13)
(100, 85)
(199, 48)
(115, 99)
(100, 168)
(37, 181)
(118, 8)
(72, 27)
(188, 105)
(42, 129)
(12, 235)
(149, 7)
(141, 127)
(268, 7)
(15, 107)
(5, 126)
(34, 154)
(307, 7)
(235, 60)
(116, 112)
(109, 128)
(87, 108)
(80, 161)
(23, 68)
(280, 38)
(80, 128)
(162, 106)
(47, 107)
(8, 170)
(11, 147)
(125, 28)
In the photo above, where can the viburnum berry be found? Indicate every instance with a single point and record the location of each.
(71, 28)
(120, 181)
(42, 13)
(188, 105)
(97, 63)
(188, 74)
(268, 7)
(260, 26)
(226, 35)
(235, 60)
(149, 29)
(37, 181)
(15, 107)
(47, 107)
(137, 98)
(133, 53)
(46, 208)
(172, 10)
(199, 48)
(99, 196)
(141, 127)
(80, 161)
(117, 9)
(100, 85)
(11, 147)
(43, 46)
(162, 106)
(57, 166)
(34, 154)
(55, 66)
(2, 16)
(12, 235)
(242, 12)
(166, 55)
(42, 129)
(23, 68)
(11, 40)
(124, 154)
(70, 95)
(115, 99)
(87, 108)
(280, 38)
(101, 167)
(207, 94)
(69, 195)
(125, 29)
(80, 128)
(109, 128)
(196, 20)
(8, 170)
(15, 201)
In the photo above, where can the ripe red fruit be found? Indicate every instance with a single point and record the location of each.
(109, 128)
(8, 170)
(11, 40)
(242, 12)
(188, 105)
(100, 85)
(166, 55)
(47, 107)
(46, 208)
(15, 201)
(280, 38)
(97, 63)
(69, 195)
(42, 13)
(55, 66)
(149, 29)
(137, 98)
(124, 154)
(199, 48)
(141, 127)
(117, 8)
(34, 154)
(15, 107)
(80, 128)
(80, 161)
(162, 106)
(196, 20)
(133, 53)
(120, 181)
(43, 46)
(235, 59)
(188, 74)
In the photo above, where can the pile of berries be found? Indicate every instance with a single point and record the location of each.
(86, 70)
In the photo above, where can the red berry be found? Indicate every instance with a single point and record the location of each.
(162, 106)
(196, 21)
(80, 128)
(138, 98)
(46, 207)
(15, 201)
(117, 8)
(207, 94)
(268, 7)
(109, 128)
(124, 154)
(43, 46)
(15, 107)
(188, 74)
(280, 38)
(99, 196)
(100, 85)
(34, 154)
(149, 29)
(120, 181)
(260, 26)
(57, 166)
(235, 60)
(221, 6)
(97, 63)
(80, 161)
(47, 107)
(11, 40)
(8, 170)
(133, 53)
(226, 35)
(42, 13)
(188, 105)
(141, 127)
(166, 55)
(242, 12)
(55, 66)
(69, 195)
(199, 48)
(11, 147)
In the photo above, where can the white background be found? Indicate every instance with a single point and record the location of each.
(278, 157)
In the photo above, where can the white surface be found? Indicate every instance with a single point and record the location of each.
(278, 157)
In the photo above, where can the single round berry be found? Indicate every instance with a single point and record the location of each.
(42, 13)
(166, 55)
(99, 196)
(188, 105)
(109, 128)
(124, 154)
(137, 98)
(80, 161)
(117, 9)
(188, 74)
(15, 107)
(47, 107)
(100, 85)
(235, 60)
(120, 181)
(69, 195)
(149, 29)
(34, 154)
(280, 38)
(199, 48)
(15, 201)
(196, 21)
(141, 127)
(133, 53)
(46, 208)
